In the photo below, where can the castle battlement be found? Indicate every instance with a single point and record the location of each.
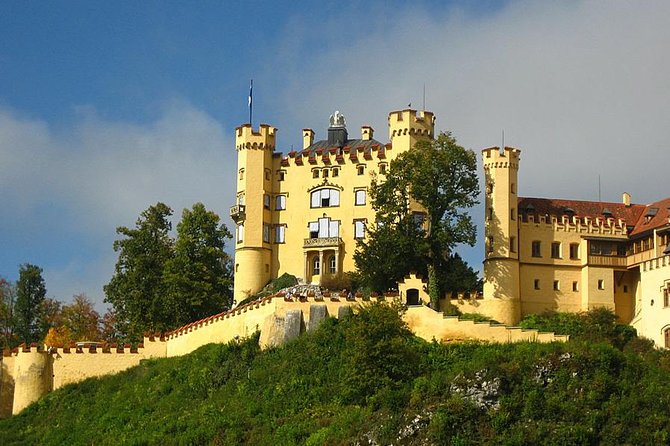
(335, 156)
(262, 139)
(493, 158)
(412, 122)
(576, 224)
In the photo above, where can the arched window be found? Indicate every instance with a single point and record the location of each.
(667, 337)
(325, 198)
(316, 266)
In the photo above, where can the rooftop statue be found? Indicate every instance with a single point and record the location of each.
(337, 119)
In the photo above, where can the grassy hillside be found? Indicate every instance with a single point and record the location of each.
(363, 379)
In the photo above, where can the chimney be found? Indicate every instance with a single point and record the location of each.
(307, 138)
(626, 199)
(367, 132)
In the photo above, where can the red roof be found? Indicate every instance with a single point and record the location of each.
(593, 209)
(639, 216)
(655, 215)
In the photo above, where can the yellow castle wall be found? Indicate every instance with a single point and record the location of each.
(74, 365)
(654, 316)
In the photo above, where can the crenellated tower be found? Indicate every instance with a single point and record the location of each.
(501, 264)
(252, 213)
(408, 126)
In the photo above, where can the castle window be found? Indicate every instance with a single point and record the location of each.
(280, 233)
(574, 251)
(268, 174)
(315, 173)
(324, 198)
(536, 284)
(316, 266)
(240, 233)
(281, 175)
(625, 288)
(419, 219)
(332, 265)
(489, 244)
(512, 244)
(512, 214)
(360, 169)
(360, 197)
(601, 284)
(325, 173)
(359, 229)
(240, 199)
(336, 172)
(241, 173)
(266, 233)
(382, 168)
(575, 286)
(536, 249)
(266, 201)
(557, 285)
(666, 296)
(324, 228)
(237, 267)
(512, 188)
(280, 202)
(667, 337)
(556, 250)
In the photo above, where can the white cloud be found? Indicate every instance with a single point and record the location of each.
(81, 184)
(579, 87)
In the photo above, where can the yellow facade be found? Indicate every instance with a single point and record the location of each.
(301, 213)
(568, 255)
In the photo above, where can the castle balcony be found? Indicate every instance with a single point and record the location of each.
(610, 261)
(323, 242)
(237, 212)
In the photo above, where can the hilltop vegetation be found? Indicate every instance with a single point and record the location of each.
(367, 378)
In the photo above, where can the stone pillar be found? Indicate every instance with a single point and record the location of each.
(337, 260)
(321, 265)
(306, 268)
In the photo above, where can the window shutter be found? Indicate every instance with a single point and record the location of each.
(323, 227)
(334, 229)
(334, 197)
(316, 199)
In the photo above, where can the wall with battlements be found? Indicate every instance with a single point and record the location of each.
(29, 373)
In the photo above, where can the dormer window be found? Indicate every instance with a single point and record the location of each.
(651, 213)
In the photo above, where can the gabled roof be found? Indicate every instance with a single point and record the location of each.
(593, 209)
(654, 215)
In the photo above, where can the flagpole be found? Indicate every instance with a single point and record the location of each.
(251, 91)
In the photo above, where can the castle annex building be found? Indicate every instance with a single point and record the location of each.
(302, 213)
(568, 255)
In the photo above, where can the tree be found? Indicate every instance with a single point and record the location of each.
(440, 177)
(81, 319)
(49, 316)
(199, 276)
(7, 320)
(137, 290)
(30, 292)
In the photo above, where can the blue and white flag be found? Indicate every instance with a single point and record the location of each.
(251, 92)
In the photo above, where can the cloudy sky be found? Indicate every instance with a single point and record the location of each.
(109, 107)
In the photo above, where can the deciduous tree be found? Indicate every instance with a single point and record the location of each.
(7, 320)
(137, 290)
(81, 319)
(199, 276)
(30, 293)
(441, 177)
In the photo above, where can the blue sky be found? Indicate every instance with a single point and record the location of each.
(109, 107)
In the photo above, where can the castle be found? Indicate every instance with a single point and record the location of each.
(302, 214)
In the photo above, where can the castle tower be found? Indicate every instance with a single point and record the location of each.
(501, 264)
(408, 126)
(33, 377)
(252, 213)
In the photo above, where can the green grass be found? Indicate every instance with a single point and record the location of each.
(363, 377)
